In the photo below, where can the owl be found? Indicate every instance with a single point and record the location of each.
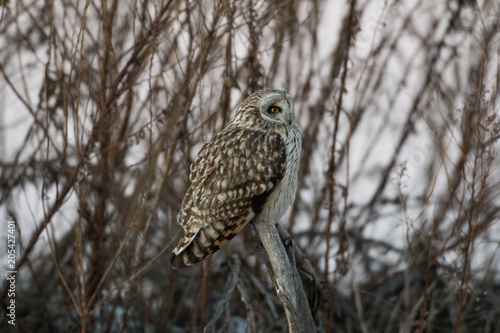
(246, 172)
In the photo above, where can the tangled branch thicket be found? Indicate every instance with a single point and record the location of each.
(106, 103)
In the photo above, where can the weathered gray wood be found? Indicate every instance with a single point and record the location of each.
(286, 280)
(313, 287)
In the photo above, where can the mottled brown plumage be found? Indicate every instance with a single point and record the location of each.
(247, 171)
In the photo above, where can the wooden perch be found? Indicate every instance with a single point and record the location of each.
(286, 279)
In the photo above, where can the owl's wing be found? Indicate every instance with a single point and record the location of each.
(232, 177)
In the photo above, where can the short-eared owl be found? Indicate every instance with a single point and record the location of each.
(247, 171)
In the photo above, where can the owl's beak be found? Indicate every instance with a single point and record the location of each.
(290, 119)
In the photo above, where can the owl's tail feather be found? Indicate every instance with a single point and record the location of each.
(196, 246)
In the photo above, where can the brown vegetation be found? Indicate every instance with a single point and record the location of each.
(106, 103)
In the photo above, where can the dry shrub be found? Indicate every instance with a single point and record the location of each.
(105, 105)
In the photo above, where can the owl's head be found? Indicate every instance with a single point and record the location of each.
(267, 104)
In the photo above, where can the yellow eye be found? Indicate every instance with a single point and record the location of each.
(274, 109)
